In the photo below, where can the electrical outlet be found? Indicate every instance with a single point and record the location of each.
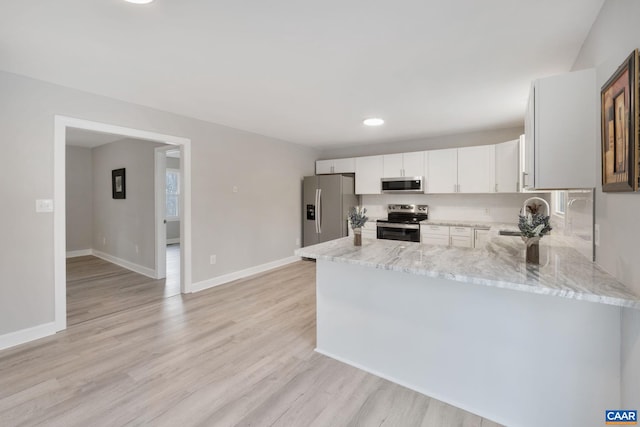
(596, 235)
(487, 211)
(235, 188)
(44, 205)
(104, 241)
(298, 241)
(137, 250)
(212, 259)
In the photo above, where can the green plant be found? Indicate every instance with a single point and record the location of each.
(357, 217)
(533, 225)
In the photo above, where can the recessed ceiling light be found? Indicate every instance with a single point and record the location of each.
(374, 121)
(139, 1)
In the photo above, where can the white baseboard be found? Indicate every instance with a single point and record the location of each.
(25, 335)
(80, 252)
(221, 280)
(173, 241)
(145, 271)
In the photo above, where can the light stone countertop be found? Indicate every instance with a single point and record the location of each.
(563, 272)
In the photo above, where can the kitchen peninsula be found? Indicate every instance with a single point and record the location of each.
(477, 328)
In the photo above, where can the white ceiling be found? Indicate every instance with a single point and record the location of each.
(306, 72)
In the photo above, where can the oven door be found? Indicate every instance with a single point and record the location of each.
(404, 232)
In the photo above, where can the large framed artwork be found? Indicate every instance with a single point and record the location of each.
(620, 141)
(118, 184)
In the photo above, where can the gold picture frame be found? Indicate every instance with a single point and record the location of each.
(619, 118)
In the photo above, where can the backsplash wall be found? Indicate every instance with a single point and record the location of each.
(503, 207)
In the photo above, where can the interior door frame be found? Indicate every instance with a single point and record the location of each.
(160, 185)
(61, 123)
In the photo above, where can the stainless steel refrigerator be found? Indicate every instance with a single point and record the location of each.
(326, 201)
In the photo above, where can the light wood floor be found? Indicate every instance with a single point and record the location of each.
(96, 287)
(239, 354)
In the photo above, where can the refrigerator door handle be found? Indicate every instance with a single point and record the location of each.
(316, 212)
(319, 211)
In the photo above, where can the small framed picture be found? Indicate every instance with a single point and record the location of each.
(118, 184)
(620, 142)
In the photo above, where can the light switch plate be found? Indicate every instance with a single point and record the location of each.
(44, 205)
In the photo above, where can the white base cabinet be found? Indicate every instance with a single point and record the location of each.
(461, 237)
(481, 237)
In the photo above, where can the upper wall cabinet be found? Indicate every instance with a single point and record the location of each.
(507, 167)
(369, 170)
(403, 164)
(335, 166)
(461, 170)
(476, 169)
(561, 132)
(442, 171)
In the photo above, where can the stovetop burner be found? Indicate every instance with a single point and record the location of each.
(406, 214)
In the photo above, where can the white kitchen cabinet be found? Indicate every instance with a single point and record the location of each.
(476, 169)
(369, 171)
(413, 163)
(507, 167)
(442, 171)
(434, 235)
(461, 237)
(481, 237)
(335, 166)
(432, 239)
(392, 165)
(403, 164)
(561, 132)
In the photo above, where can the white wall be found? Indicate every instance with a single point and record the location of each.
(484, 137)
(614, 35)
(125, 228)
(79, 201)
(256, 225)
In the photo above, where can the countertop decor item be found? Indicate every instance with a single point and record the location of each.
(619, 115)
(533, 224)
(357, 218)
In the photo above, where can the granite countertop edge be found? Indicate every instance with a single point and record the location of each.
(500, 264)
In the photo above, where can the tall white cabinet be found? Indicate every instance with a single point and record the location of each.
(561, 132)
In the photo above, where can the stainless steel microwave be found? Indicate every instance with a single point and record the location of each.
(404, 184)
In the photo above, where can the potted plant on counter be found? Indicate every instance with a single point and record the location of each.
(533, 224)
(357, 219)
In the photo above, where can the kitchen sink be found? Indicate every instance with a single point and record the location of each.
(509, 233)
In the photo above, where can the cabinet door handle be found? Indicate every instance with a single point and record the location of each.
(496, 188)
(455, 188)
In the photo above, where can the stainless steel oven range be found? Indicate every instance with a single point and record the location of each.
(403, 222)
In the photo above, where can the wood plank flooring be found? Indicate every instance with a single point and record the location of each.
(96, 287)
(240, 354)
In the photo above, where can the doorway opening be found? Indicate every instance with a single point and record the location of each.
(138, 258)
